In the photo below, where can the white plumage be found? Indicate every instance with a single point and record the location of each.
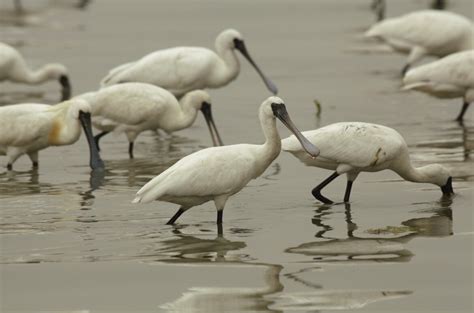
(449, 77)
(135, 107)
(425, 33)
(13, 68)
(28, 128)
(219, 172)
(353, 147)
(183, 69)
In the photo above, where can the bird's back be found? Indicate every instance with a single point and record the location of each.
(22, 124)
(131, 103)
(357, 144)
(440, 33)
(208, 172)
(178, 70)
(455, 69)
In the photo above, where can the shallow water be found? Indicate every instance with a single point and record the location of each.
(72, 242)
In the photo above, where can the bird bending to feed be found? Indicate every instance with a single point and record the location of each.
(13, 68)
(28, 128)
(425, 33)
(219, 172)
(183, 69)
(353, 147)
(135, 107)
(449, 77)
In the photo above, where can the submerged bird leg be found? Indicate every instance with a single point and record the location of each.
(347, 194)
(9, 166)
(465, 105)
(317, 190)
(130, 150)
(220, 213)
(97, 138)
(176, 216)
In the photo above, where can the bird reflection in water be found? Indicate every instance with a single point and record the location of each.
(377, 248)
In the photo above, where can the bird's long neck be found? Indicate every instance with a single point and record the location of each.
(183, 117)
(414, 174)
(230, 66)
(65, 128)
(24, 74)
(272, 146)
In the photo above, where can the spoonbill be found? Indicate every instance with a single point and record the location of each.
(217, 173)
(425, 33)
(135, 107)
(183, 69)
(449, 77)
(30, 127)
(353, 147)
(13, 68)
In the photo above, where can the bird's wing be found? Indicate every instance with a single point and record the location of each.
(356, 144)
(22, 124)
(455, 69)
(131, 103)
(111, 77)
(426, 29)
(209, 172)
(174, 69)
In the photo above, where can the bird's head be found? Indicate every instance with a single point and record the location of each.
(439, 175)
(274, 107)
(60, 73)
(201, 100)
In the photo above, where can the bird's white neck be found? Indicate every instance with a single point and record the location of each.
(228, 69)
(65, 128)
(183, 117)
(423, 174)
(272, 146)
(24, 74)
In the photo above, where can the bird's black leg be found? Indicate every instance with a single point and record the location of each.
(130, 150)
(176, 216)
(347, 194)
(220, 213)
(97, 138)
(9, 166)
(465, 105)
(317, 190)
(405, 69)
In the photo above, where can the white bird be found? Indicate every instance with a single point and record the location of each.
(183, 69)
(135, 107)
(449, 77)
(13, 68)
(425, 33)
(28, 128)
(353, 147)
(219, 172)
(379, 7)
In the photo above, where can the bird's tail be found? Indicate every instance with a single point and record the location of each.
(151, 191)
(110, 78)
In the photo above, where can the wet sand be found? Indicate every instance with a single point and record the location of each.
(72, 242)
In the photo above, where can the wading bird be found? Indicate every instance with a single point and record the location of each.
(183, 69)
(219, 172)
(425, 33)
(135, 107)
(353, 147)
(28, 128)
(449, 77)
(13, 68)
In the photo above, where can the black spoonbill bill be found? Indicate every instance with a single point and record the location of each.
(13, 68)
(183, 69)
(217, 173)
(132, 108)
(449, 77)
(353, 147)
(425, 33)
(30, 127)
